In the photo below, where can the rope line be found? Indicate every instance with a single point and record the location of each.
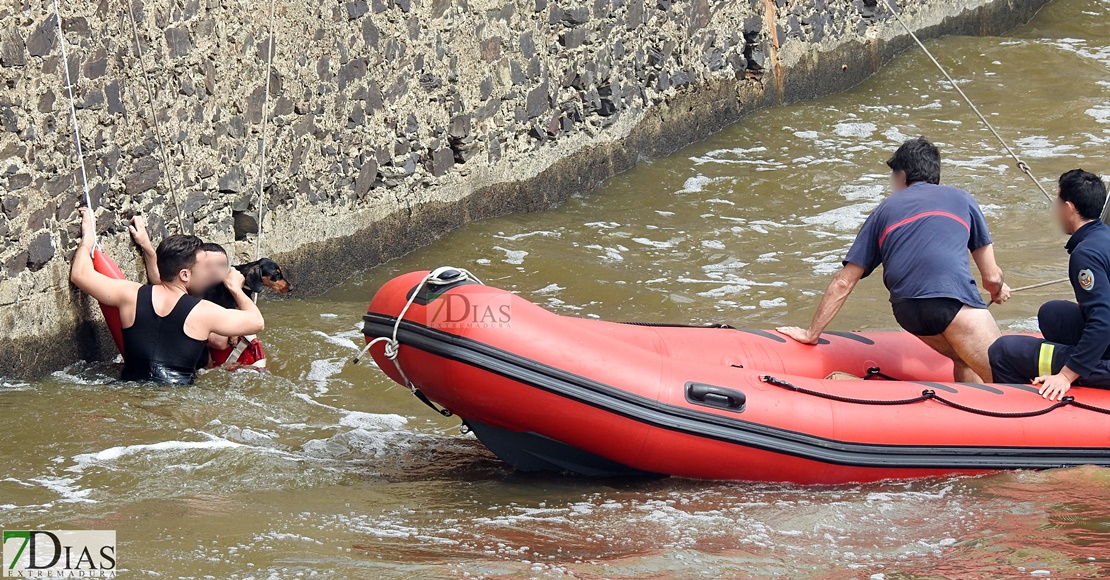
(262, 136)
(73, 111)
(1021, 165)
(393, 345)
(154, 118)
(931, 395)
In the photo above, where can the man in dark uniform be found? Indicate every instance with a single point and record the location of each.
(921, 235)
(1076, 345)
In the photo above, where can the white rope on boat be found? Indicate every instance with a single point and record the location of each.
(392, 344)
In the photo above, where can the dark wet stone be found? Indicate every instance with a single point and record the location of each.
(634, 15)
(178, 41)
(9, 120)
(233, 181)
(367, 175)
(356, 9)
(460, 127)
(442, 160)
(576, 16)
(439, 7)
(40, 251)
(112, 94)
(352, 72)
(243, 224)
(323, 68)
(404, 5)
(378, 6)
(194, 202)
(573, 38)
(4, 228)
(41, 42)
(12, 204)
(602, 8)
(92, 100)
(97, 65)
(12, 49)
(46, 102)
(19, 181)
(538, 101)
(485, 88)
(487, 110)
(144, 176)
(370, 33)
(528, 44)
(17, 263)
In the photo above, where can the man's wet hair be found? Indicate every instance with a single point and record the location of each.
(919, 158)
(211, 247)
(1085, 190)
(176, 253)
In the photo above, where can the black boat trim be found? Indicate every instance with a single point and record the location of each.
(727, 429)
(851, 336)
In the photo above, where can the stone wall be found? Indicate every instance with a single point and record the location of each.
(389, 122)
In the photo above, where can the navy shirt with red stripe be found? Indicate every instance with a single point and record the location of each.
(921, 236)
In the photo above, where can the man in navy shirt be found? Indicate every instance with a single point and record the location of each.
(921, 235)
(1076, 345)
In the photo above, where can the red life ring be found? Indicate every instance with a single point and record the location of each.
(103, 264)
(248, 352)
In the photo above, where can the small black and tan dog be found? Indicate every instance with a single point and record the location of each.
(264, 273)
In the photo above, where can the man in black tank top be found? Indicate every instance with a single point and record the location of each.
(165, 330)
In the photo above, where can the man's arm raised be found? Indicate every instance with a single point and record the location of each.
(142, 239)
(227, 322)
(837, 293)
(107, 291)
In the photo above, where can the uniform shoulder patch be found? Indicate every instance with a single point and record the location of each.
(1086, 279)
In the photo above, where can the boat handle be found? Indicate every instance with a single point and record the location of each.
(714, 396)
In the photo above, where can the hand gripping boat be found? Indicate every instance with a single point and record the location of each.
(550, 392)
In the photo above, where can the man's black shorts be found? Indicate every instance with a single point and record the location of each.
(926, 316)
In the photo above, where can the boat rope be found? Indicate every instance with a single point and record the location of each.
(262, 134)
(393, 345)
(877, 373)
(154, 118)
(680, 325)
(1021, 165)
(73, 111)
(931, 395)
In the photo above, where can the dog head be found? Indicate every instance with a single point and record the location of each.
(266, 272)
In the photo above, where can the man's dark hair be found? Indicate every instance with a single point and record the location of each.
(1085, 191)
(919, 159)
(177, 253)
(210, 247)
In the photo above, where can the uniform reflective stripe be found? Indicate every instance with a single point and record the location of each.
(1044, 365)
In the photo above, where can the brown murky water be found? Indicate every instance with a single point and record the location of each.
(320, 469)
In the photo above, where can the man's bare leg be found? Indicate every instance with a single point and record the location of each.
(966, 341)
(960, 371)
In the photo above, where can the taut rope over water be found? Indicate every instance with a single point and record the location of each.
(1021, 165)
(154, 118)
(73, 110)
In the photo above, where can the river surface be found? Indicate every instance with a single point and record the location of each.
(318, 468)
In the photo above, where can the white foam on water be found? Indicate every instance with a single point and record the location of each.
(319, 371)
(546, 233)
(856, 192)
(660, 245)
(549, 289)
(813, 135)
(695, 184)
(713, 244)
(328, 315)
(114, 453)
(66, 487)
(773, 303)
(373, 421)
(846, 218)
(852, 129)
(1040, 147)
(611, 254)
(338, 340)
(514, 257)
(1101, 113)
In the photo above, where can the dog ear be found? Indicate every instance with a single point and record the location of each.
(253, 277)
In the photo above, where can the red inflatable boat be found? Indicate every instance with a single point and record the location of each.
(550, 392)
